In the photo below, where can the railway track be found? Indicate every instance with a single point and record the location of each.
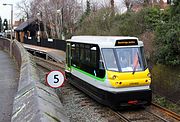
(149, 117)
(50, 65)
(120, 115)
(167, 112)
(149, 114)
(154, 113)
(140, 116)
(77, 105)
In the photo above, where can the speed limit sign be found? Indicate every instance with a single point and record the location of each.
(55, 79)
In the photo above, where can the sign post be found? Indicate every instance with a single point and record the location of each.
(55, 79)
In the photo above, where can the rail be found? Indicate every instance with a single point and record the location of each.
(170, 113)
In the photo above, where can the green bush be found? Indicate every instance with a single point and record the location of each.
(129, 24)
(104, 23)
(167, 40)
(152, 17)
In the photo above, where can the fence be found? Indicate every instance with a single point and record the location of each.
(54, 43)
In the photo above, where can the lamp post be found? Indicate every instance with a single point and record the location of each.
(39, 36)
(11, 17)
(61, 12)
(11, 27)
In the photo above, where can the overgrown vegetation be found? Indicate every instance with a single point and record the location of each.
(103, 22)
(166, 103)
(168, 37)
(166, 81)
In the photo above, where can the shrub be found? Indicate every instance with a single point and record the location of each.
(167, 41)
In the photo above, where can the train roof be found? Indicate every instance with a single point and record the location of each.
(103, 41)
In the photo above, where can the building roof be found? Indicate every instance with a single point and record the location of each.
(24, 25)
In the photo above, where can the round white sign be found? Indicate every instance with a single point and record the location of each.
(55, 79)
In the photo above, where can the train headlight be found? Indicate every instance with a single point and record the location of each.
(114, 77)
(149, 75)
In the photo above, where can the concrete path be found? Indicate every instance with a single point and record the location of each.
(57, 55)
(8, 86)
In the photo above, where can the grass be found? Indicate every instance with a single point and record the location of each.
(162, 101)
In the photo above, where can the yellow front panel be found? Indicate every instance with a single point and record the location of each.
(126, 79)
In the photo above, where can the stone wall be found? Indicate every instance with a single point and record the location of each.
(34, 102)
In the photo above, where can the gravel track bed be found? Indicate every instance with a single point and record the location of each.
(78, 106)
(140, 116)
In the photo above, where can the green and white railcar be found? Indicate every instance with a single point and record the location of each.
(111, 69)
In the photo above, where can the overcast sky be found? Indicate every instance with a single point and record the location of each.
(5, 11)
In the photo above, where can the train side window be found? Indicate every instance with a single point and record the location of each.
(97, 62)
(75, 54)
(87, 58)
(82, 54)
(94, 56)
(87, 54)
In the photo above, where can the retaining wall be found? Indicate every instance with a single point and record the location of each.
(34, 101)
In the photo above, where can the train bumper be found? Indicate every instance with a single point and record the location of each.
(130, 98)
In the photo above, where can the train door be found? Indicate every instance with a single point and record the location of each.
(68, 55)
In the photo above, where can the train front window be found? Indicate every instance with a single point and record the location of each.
(129, 59)
(110, 60)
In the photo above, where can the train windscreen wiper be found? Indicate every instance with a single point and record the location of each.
(135, 62)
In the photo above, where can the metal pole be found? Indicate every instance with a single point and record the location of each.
(62, 22)
(11, 29)
(11, 21)
(10, 48)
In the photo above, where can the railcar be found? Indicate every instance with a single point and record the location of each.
(110, 69)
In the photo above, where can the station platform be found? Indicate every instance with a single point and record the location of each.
(57, 55)
(9, 76)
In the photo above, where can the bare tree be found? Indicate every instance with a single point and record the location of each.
(128, 4)
(38, 8)
(24, 8)
(146, 2)
(112, 6)
(57, 16)
(46, 11)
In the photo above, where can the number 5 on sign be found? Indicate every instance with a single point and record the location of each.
(55, 79)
